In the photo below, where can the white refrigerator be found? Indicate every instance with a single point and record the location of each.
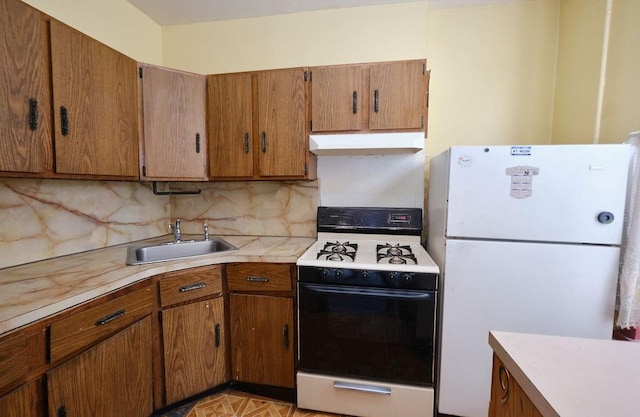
(527, 239)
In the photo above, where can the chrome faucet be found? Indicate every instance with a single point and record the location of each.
(175, 229)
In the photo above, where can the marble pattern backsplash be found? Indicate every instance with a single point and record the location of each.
(253, 208)
(41, 219)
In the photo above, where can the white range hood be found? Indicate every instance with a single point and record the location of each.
(367, 143)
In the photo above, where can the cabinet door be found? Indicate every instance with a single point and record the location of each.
(175, 141)
(26, 401)
(397, 95)
(262, 339)
(113, 379)
(194, 348)
(25, 139)
(283, 143)
(230, 125)
(336, 98)
(95, 106)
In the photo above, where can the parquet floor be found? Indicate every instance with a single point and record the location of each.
(233, 403)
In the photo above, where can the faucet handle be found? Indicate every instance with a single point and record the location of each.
(178, 223)
(206, 231)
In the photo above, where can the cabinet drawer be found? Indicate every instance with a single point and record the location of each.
(184, 286)
(21, 352)
(259, 277)
(79, 330)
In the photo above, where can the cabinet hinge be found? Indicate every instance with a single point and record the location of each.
(306, 75)
(144, 171)
(424, 69)
(140, 72)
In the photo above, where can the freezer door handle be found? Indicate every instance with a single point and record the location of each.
(605, 217)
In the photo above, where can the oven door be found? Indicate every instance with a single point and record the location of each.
(369, 333)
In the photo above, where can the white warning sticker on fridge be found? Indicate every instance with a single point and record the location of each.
(522, 180)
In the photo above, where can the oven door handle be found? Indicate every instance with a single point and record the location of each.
(378, 292)
(362, 387)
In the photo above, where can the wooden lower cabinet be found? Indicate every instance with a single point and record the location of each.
(112, 379)
(262, 339)
(507, 397)
(26, 401)
(194, 348)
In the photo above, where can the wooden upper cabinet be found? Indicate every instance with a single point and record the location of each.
(230, 125)
(174, 124)
(25, 95)
(369, 97)
(399, 95)
(95, 106)
(282, 123)
(258, 125)
(337, 98)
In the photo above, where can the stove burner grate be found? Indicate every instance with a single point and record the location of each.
(395, 254)
(339, 252)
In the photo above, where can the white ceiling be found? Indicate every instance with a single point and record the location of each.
(178, 12)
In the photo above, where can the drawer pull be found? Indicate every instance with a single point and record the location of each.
(285, 335)
(192, 287)
(106, 319)
(252, 278)
(217, 334)
(362, 387)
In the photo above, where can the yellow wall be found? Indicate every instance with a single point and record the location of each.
(113, 22)
(621, 100)
(364, 34)
(582, 25)
(493, 72)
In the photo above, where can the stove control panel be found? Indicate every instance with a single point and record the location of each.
(368, 278)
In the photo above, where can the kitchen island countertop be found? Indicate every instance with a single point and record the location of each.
(36, 290)
(573, 377)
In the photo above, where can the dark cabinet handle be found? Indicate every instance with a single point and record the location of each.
(355, 102)
(285, 334)
(33, 114)
(252, 278)
(197, 142)
(246, 143)
(263, 138)
(217, 334)
(192, 287)
(64, 121)
(110, 317)
(505, 383)
(62, 411)
(376, 100)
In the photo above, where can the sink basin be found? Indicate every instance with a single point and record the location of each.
(174, 250)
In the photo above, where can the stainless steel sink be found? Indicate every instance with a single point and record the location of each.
(175, 250)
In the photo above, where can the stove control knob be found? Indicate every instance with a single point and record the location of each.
(406, 279)
(365, 275)
(326, 274)
(339, 273)
(392, 278)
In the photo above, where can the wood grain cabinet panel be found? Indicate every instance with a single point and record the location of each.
(25, 95)
(507, 397)
(230, 125)
(262, 339)
(112, 379)
(259, 277)
(258, 125)
(194, 348)
(191, 284)
(385, 96)
(77, 331)
(26, 401)
(95, 106)
(174, 127)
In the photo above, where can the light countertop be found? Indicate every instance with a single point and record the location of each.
(36, 290)
(573, 377)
